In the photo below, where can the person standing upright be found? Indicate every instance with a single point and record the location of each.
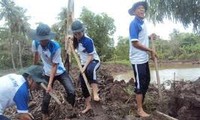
(139, 53)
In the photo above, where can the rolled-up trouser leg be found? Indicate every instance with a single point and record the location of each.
(90, 73)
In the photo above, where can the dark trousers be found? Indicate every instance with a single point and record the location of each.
(66, 81)
(91, 76)
(3, 118)
(142, 78)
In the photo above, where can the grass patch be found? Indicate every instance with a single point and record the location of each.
(123, 62)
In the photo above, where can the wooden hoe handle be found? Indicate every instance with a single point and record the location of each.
(80, 67)
(51, 94)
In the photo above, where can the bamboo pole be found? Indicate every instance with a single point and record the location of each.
(156, 69)
(51, 94)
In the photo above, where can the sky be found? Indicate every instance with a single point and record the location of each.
(46, 11)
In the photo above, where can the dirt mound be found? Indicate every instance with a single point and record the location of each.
(118, 100)
(185, 103)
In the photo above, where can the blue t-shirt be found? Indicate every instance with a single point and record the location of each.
(86, 47)
(138, 32)
(14, 91)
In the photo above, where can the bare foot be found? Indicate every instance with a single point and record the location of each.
(142, 114)
(96, 98)
(86, 110)
(45, 117)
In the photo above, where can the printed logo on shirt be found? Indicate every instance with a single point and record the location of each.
(14, 82)
(81, 48)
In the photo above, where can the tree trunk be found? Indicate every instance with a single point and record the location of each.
(11, 52)
(70, 17)
(20, 55)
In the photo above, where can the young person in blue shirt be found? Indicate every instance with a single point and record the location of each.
(139, 53)
(14, 90)
(90, 61)
(48, 50)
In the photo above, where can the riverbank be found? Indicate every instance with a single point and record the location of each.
(176, 63)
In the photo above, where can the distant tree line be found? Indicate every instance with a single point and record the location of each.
(15, 46)
(182, 46)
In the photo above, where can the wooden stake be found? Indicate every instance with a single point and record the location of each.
(51, 94)
(156, 68)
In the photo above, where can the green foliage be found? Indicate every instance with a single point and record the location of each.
(122, 49)
(60, 28)
(182, 46)
(5, 61)
(14, 16)
(101, 29)
(184, 11)
(25, 51)
(123, 62)
(13, 39)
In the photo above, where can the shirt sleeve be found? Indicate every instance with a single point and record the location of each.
(89, 46)
(134, 31)
(21, 99)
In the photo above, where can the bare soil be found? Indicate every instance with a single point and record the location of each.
(117, 100)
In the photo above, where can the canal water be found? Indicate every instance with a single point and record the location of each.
(184, 74)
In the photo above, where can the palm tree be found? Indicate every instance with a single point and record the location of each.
(16, 21)
(185, 11)
(61, 28)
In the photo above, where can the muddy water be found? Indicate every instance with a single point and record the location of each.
(166, 74)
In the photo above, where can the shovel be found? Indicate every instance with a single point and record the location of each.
(156, 68)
